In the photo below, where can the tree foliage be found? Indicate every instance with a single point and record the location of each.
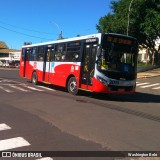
(144, 20)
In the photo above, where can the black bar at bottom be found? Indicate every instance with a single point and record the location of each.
(80, 154)
(84, 154)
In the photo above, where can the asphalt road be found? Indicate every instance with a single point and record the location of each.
(51, 119)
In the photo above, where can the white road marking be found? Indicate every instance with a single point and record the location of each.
(33, 88)
(141, 84)
(13, 143)
(156, 87)
(7, 90)
(50, 89)
(16, 87)
(7, 84)
(3, 126)
(150, 85)
(5, 80)
(22, 89)
(46, 158)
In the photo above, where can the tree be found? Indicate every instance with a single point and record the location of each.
(144, 21)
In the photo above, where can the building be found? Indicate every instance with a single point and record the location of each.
(142, 56)
(8, 56)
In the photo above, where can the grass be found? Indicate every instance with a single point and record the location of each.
(142, 64)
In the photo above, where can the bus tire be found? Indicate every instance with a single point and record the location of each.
(72, 86)
(34, 78)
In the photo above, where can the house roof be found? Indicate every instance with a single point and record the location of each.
(8, 50)
(5, 49)
(3, 45)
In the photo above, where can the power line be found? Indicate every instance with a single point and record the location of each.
(24, 33)
(25, 28)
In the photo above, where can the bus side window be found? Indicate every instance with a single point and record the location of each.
(28, 53)
(33, 56)
(40, 54)
(73, 54)
(23, 54)
(52, 56)
(48, 55)
(73, 51)
(60, 51)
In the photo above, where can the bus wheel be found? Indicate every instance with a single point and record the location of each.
(72, 86)
(34, 78)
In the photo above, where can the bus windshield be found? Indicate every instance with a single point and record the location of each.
(118, 54)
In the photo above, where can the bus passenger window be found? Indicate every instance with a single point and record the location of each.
(73, 54)
(40, 54)
(52, 56)
(23, 54)
(48, 55)
(28, 53)
(33, 56)
(60, 51)
(58, 56)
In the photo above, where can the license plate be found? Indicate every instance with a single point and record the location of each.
(121, 90)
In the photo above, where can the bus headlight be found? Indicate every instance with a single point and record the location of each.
(102, 80)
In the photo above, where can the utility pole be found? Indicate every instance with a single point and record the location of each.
(60, 35)
(60, 32)
(129, 9)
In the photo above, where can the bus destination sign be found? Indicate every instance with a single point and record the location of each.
(119, 40)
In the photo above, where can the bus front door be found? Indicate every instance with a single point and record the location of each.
(26, 66)
(22, 68)
(88, 66)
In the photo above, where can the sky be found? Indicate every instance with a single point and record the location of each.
(42, 20)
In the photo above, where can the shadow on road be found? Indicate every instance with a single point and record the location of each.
(137, 97)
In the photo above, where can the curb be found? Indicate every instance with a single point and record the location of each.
(147, 76)
(144, 69)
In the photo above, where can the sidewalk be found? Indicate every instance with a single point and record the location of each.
(148, 74)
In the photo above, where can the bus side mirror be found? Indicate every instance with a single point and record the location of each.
(133, 49)
(99, 51)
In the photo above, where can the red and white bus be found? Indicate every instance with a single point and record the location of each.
(105, 63)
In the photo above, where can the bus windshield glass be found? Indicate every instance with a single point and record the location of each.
(118, 54)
